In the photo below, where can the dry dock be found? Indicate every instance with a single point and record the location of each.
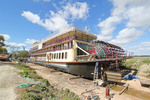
(82, 87)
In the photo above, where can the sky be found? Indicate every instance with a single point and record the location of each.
(125, 23)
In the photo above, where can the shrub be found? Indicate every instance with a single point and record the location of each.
(45, 81)
(31, 96)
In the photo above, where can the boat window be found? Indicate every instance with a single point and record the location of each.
(78, 43)
(52, 55)
(65, 55)
(81, 45)
(68, 45)
(59, 55)
(62, 55)
(71, 44)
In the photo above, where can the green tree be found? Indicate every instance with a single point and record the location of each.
(2, 41)
(2, 49)
(22, 54)
(2, 38)
(18, 54)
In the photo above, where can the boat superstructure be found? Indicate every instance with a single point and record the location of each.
(61, 47)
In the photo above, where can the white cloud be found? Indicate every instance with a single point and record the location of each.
(15, 44)
(142, 48)
(55, 23)
(138, 17)
(58, 21)
(30, 41)
(107, 27)
(34, 18)
(6, 37)
(133, 13)
(145, 44)
(77, 10)
(126, 36)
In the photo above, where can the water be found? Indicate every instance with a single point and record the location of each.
(133, 92)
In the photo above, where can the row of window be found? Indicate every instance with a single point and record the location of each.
(64, 46)
(84, 46)
(62, 55)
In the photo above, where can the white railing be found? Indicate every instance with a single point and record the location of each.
(87, 30)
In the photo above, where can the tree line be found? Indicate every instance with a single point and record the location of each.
(14, 51)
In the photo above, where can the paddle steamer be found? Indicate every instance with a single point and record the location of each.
(75, 51)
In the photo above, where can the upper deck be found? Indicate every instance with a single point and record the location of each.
(64, 36)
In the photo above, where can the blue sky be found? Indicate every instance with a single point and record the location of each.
(125, 23)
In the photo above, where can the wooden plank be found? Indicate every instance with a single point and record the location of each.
(113, 73)
(114, 80)
(124, 89)
(109, 77)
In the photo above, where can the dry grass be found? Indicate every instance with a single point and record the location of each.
(142, 64)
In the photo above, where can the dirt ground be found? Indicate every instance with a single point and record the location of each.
(9, 79)
(78, 85)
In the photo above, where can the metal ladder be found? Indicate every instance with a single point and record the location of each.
(95, 74)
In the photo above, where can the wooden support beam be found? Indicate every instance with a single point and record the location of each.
(124, 89)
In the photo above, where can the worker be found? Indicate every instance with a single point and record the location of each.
(102, 73)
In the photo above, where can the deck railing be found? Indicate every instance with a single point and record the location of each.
(51, 50)
(69, 38)
(34, 49)
(84, 29)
